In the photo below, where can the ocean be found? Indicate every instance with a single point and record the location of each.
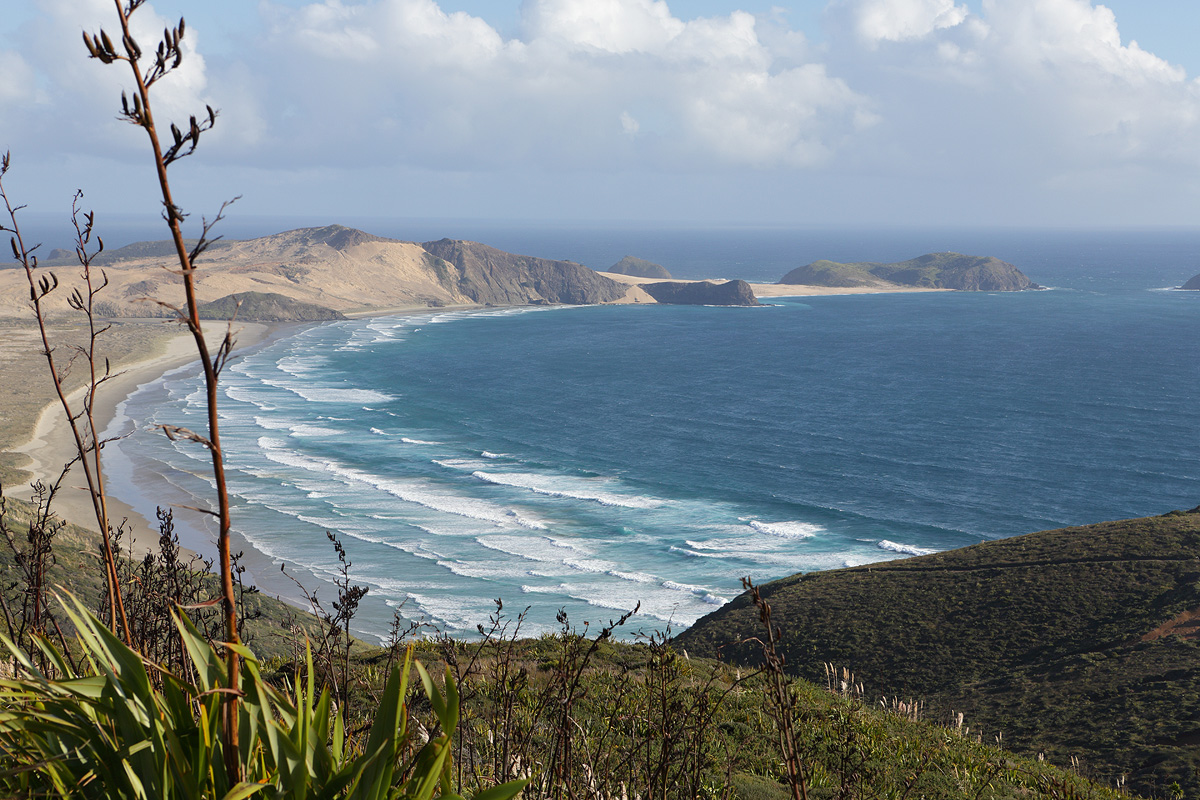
(594, 458)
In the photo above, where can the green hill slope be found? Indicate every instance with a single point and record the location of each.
(1078, 641)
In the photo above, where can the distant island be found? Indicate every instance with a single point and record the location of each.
(931, 271)
(1192, 285)
(639, 268)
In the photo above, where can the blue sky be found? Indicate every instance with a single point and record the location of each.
(846, 112)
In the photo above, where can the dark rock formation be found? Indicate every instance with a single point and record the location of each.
(1193, 285)
(932, 271)
(702, 293)
(639, 268)
(487, 275)
(266, 307)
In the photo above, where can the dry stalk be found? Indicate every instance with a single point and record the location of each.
(138, 111)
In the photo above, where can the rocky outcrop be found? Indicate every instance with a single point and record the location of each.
(701, 293)
(1193, 285)
(931, 271)
(638, 268)
(266, 307)
(487, 275)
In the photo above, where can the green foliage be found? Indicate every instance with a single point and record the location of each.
(123, 728)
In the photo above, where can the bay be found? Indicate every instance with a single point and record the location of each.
(594, 458)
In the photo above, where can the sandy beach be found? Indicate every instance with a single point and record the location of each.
(51, 444)
(762, 290)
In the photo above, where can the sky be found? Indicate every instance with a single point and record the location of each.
(856, 113)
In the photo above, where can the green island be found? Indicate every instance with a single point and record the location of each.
(931, 271)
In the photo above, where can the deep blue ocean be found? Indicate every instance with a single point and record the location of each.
(593, 458)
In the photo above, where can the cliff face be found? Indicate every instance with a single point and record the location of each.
(702, 293)
(932, 271)
(639, 268)
(487, 275)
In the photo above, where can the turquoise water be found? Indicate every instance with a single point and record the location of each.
(593, 458)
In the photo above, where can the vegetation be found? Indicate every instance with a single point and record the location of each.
(1076, 643)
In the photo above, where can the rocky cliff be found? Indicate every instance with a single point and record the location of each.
(487, 275)
(639, 268)
(701, 293)
(931, 271)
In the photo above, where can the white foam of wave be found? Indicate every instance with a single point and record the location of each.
(633, 577)
(565, 488)
(266, 423)
(465, 569)
(699, 591)
(908, 549)
(308, 431)
(325, 394)
(693, 554)
(416, 492)
(407, 440)
(301, 365)
(242, 394)
(460, 464)
(486, 454)
(787, 530)
(543, 549)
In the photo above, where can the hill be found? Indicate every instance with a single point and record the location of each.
(334, 267)
(1074, 642)
(932, 271)
(1193, 285)
(266, 307)
(639, 268)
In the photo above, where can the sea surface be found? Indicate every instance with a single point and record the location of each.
(596, 458)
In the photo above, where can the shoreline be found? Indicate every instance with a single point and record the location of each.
(50, 443)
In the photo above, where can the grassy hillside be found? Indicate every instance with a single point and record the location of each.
(1074, 642)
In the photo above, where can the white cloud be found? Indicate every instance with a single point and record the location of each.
(629, 125)
(613, 26)
(897, 20)
(403, 80)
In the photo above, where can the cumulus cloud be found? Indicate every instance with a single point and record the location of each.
(449, 88)
(898, 20)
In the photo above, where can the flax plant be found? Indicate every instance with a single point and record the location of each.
(109, 731)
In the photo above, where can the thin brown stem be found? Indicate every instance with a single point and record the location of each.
(144, 117)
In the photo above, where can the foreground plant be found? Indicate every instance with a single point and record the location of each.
(125, 728)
